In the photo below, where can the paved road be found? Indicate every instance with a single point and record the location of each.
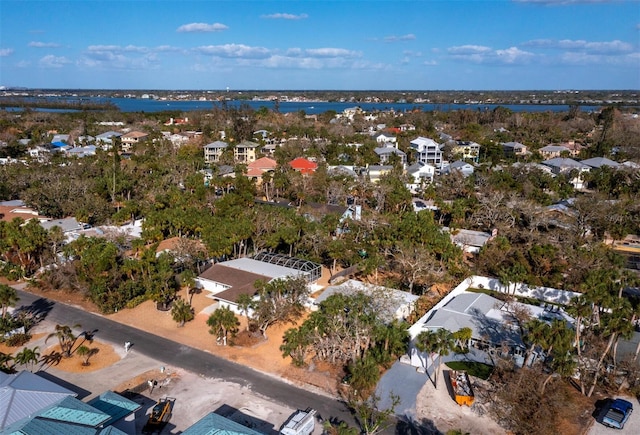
(188, 358)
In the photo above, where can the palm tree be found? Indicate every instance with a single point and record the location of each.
(28, 357)
(8, 298)
(440, 342)
(245, 301)
(5, 359)
(222, 322)
(66, 338)
(85, 353)
(181, 312)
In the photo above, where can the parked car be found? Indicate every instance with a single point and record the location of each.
(616, 413)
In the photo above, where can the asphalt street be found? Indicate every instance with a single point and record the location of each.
(188, 358)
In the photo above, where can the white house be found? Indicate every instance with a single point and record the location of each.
(386, 151)
(421, 174)
(562, 165)
(460, 166)
(427, 151)
(390, 303)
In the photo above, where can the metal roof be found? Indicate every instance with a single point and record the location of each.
(113, 404)
(312, 270)
(71, 410)
(24, 394)
(214, 424)
(480, 313)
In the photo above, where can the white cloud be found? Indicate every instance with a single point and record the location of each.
(487, 55)
(285, 16)
(581, 58)
(130, 57)
(201, 27)
(234, 51)
(394, 38)
(430, 63)
(39, 44)
(118, 49)
(51, 61)
(5, 52)
(606, 47)
(468, 49)
(331, 52)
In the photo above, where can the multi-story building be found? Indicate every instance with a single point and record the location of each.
(214, 150)
(427, 151)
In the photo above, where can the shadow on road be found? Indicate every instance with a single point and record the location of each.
(38, 309)
(412, 427)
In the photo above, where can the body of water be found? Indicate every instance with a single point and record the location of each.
(308, 107)
(317, 107)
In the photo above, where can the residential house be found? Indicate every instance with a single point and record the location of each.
(573, 147)
(227, 280)
(386, 138)
(342, 170)
(214, 150)
(39, 152)
(245, 152)
(560, 165)
(132, 138)
(490, 319)
(257, 168)
(514, 149)
(466, 150)
(215, 424)
(470, 241)
(421, 174)
(427, 151)
(389, 303)
(629, 249)
(407, 127)
(351, 112)
(386, 152)
(30, 404)
(65, 138)
(460, 166)
(375, 172)
(176, 139)
(315, 212)
(553, 151)
(599, 162)
(304, 166)
(106, 139)
(88, 150)
(177, 121)
(9, 210)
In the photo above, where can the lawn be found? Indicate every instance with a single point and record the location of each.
(479, 370)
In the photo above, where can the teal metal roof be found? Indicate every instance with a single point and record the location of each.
(38, 426)
(115, 405)
(72, 410)
(214, 424)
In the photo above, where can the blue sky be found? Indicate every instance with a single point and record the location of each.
(304, 45)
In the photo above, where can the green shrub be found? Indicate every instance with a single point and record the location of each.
(17, 340)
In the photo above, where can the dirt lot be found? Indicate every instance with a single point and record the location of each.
(438, 406)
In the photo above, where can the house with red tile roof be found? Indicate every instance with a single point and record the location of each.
(304, 166)
(257, 168)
